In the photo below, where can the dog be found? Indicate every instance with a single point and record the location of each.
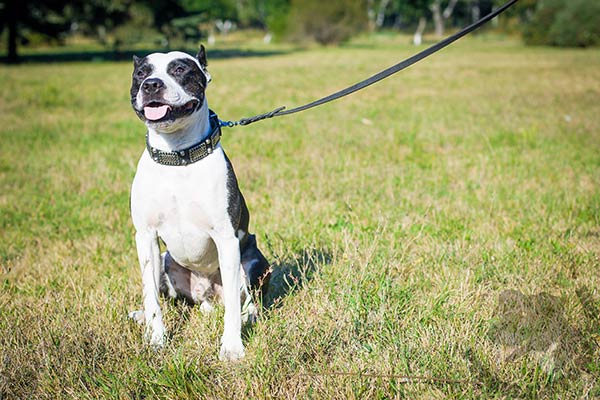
(185, 193)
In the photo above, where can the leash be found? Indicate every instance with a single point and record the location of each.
(281, 111)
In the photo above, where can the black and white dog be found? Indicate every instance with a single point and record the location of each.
(186, 194)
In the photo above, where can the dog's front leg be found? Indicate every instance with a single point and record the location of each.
(228, 248)
(151, 266)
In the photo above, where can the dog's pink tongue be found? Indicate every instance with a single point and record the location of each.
(154, 113)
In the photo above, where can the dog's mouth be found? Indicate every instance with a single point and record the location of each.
(156, 111)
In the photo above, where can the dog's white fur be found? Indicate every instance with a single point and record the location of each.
(187, 208)
(186, 131)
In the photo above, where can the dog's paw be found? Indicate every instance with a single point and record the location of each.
(155, 335)
(231, 349)
(155, 340)
(206, 308)
(137, 316)
(249, 313)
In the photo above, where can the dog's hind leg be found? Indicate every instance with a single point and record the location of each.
(166, 284)
(256, 267)
(180, 282)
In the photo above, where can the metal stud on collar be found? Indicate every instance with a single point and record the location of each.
(193, 153)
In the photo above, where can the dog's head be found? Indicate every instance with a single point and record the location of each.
(168, 88)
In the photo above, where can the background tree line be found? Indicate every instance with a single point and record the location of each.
(168, 23)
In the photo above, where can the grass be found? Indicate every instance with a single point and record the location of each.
(444, 224)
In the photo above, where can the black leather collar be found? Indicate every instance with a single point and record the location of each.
(193, 153)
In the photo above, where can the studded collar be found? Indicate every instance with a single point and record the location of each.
(193, 153)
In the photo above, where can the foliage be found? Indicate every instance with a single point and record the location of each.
(264, 14)
(577, 24)
(544, 14)
(564, 23)
(36, 17)
(139, 28)
(99, 17)
(276, 16)
(212, 9)
(326, 22)
(175, 23)
(407, 12)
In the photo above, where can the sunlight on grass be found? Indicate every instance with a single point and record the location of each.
(444, 223)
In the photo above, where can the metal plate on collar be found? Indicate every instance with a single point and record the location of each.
(192, 154)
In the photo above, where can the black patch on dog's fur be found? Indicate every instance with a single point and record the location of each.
(141, 70)
(255, 266)
(188, 75)
(236, 205)
(253, 261)
(201, 56)
(184, 71)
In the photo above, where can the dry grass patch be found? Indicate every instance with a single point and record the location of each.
(443, 224)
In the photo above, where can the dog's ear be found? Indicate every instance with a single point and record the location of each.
(136, 60)
(201, 56)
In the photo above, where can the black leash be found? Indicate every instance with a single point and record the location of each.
(278, 112)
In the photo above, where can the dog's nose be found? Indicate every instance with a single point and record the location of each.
(152, 85)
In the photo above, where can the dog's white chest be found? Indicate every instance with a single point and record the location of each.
(184, 205)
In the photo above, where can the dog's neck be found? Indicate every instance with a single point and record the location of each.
(197, 129)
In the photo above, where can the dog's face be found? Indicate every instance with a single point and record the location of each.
(168, 88)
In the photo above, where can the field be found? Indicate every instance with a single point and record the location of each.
(434, 236)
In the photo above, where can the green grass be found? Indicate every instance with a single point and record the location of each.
(443, 224)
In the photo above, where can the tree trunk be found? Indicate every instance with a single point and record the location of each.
(11, 14)
(439, 17)
(449, 10)
(438, 22)
(475, 11)
(371, 14)
(418, 37)
(381, 13)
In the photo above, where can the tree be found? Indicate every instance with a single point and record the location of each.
(376, 13)
(327, 22)
(96, 18)
(577, 24)
(406, 13)
(190, 20)
(563, 23)
(54, 19)
(47, 17)
(440, 17)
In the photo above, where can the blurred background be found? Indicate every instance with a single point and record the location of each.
(110, 29)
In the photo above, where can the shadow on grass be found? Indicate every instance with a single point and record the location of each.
(127, 55)
(291, 274)
(288, 275)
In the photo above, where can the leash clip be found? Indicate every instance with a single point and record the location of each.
(229, 124)
(247, 121)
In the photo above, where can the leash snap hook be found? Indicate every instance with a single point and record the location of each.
(229, 124)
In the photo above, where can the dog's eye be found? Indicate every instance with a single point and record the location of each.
(179, 70)
(140, 74)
